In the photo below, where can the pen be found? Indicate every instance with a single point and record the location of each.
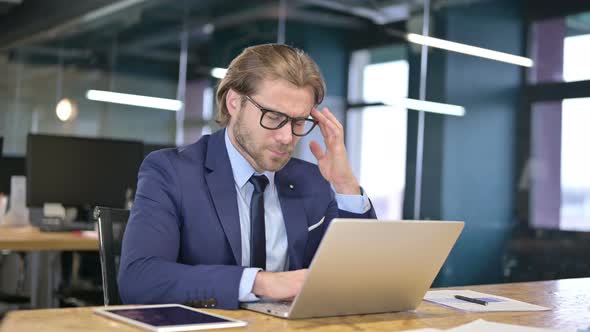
(470, 299)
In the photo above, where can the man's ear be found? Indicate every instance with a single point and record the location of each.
(233, 101)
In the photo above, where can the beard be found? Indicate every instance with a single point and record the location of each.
(245, 141)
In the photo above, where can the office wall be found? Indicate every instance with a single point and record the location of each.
(329, 48)
(469, 162)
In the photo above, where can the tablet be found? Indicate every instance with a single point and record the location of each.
(168, 318)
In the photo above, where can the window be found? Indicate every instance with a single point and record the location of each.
(378, 134)
(576, 52)
(558, 46)
(575, 165)
(559, 164)
(560, 197)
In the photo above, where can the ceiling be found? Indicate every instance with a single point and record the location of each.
(94, 31)
(152, 28)
(94, 36)
(87, 39)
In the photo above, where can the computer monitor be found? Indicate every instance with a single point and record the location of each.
(10, 166)
(81, 172)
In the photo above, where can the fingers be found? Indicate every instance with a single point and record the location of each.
(327, 117)
(321, 119)
(330, 126)
(316, 150)
(332, 118)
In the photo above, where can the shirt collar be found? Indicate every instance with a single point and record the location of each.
(241, 168)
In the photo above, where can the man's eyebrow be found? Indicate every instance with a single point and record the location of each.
(274, 109)
(305, 116)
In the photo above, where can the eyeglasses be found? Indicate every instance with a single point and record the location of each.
(273, 120)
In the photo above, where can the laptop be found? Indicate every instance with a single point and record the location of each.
(367, 266)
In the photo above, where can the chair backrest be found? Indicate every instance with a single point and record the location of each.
(111, 226)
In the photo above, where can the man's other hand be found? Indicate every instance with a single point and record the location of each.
(279, 285)
(333, 163)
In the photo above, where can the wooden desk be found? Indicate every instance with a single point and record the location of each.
(569, 300)
(32, 239)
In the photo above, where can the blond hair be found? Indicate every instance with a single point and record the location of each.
(268, 61)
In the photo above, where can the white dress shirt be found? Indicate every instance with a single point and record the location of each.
(275, 231)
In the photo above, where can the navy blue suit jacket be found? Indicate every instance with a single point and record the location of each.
(182, 243)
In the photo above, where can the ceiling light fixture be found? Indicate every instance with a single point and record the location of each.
(417, 105)
(218, 72)
(468, 49)
(428, 106)
(134, 100)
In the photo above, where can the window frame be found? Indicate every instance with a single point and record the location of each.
(542, 92)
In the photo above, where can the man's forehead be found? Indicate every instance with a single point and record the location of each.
(284, 97)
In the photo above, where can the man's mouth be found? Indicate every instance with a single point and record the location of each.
(280, 153)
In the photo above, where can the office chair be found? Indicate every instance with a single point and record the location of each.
(111, 226)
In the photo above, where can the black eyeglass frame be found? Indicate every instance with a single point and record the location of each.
(284, 122)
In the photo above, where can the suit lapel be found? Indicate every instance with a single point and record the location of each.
(220, 181)
(294, 215)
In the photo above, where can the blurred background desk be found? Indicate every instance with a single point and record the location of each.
(31, 239)
(45, 264)
(568, 300)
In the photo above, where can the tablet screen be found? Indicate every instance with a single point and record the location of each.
(166, 316)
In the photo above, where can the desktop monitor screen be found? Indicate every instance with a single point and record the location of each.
(10, 166)
(81, 171)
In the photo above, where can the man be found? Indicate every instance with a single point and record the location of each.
(221, 220)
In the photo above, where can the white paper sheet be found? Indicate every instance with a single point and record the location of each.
(495, 303)
(481, 325)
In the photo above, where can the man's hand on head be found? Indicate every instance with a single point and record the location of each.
(279, 285)
(333, 164)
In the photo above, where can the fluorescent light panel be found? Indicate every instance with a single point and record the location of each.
(428, 106)
(470, 50)
(218, 72)
(134, 100)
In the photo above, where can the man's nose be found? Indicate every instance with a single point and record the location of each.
(285, 134)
